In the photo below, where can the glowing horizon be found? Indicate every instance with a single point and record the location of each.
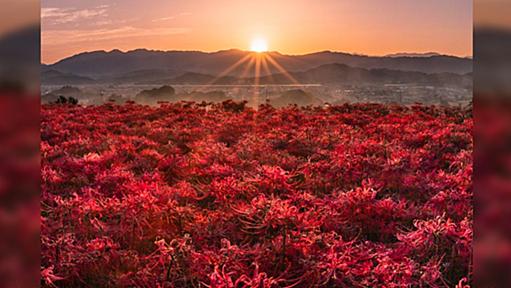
(366, 27)
(259, 45)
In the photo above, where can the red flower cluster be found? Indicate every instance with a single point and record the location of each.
(189, 196)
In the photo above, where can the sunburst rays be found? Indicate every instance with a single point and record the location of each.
(257, 75)
(282, 70)
(229, 69)
(266, 69)
(259, 62)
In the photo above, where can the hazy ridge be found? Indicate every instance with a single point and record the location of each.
(144, 65)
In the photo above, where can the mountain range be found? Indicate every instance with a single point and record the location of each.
(405, 54)
(327, 74)
(149, 66)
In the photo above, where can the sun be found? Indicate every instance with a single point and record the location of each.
(259, 45)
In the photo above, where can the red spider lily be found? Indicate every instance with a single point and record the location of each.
(180, 195)
(48, 277)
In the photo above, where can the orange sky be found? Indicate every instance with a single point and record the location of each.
(372, 27)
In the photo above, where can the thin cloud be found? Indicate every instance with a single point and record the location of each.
(68, 15)
(60, 37)
(164, 19)
(171, 17)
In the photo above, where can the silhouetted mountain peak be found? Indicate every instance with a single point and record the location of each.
(416, 55)
(100, 64)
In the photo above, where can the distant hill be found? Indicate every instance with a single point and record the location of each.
(427, 54)
(145, 75)
(66, 91)
(344, 74)
(115, 63)
(295, 96)
(334, 74)
(192, 78)
(152, 96)
(54, 77)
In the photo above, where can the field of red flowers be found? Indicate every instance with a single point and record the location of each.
(182, 195)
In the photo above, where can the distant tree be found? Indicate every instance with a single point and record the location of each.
(72, 101)
(233, 106)
(61, 100)
(69, 100)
